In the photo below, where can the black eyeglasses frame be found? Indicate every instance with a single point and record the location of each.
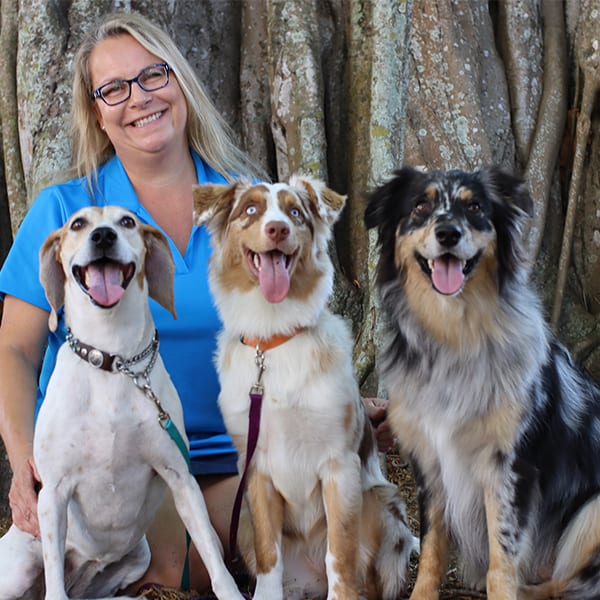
(97, 93)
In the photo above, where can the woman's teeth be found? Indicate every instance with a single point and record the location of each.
(146, 120)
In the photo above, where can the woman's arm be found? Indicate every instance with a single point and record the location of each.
(23, 335)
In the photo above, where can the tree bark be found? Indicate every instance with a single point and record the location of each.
(15, 192)
(348, 90)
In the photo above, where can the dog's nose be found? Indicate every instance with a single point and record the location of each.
(103, 237)
(277, 230)
(448, 235)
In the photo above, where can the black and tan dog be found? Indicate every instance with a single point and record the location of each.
(502, 428)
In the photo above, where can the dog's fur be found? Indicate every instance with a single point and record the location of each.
(102, 455)
(502, 428)
(326, 523)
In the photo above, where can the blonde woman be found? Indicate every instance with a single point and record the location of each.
(144, 131)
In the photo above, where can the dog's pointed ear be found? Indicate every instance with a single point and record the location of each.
(160, 268)
(213, 203)
(392, 200)
(52, 275)
(511, 189)
(512, 207)
(324, 202)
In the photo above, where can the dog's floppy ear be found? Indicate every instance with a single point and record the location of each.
(213, 204)
(52, 275)
(324, 202)
(160, 268)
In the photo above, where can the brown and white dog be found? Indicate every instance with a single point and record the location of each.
(101, 443)
(320, 519)
(502, 428)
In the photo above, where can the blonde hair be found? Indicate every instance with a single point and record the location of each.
(208, 133)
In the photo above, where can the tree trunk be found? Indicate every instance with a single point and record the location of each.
(348, 90)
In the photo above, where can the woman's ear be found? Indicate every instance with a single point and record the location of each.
(98, 114)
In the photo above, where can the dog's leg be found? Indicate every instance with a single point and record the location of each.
(342, 496)
(21, 565)
(501, 580)
(191, 507)
(52, 513)
(433, 560)
(266, 510)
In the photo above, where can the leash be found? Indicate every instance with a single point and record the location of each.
(256, 396)
(114, 363)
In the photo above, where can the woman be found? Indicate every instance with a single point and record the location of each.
(143, 133)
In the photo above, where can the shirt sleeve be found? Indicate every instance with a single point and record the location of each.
(19, 275)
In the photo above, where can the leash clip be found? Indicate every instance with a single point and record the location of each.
(259, 360)
(164, 419)
(257, 388)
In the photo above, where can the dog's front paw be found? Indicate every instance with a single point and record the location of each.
(268, 587)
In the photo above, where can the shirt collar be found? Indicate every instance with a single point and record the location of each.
(115, 186)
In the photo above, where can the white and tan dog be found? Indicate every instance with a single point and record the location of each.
(99, 446)
(320, 520)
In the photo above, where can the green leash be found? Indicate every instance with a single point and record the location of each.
(172, 430)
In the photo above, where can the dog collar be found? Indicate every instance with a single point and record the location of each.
(263, 344)
(103, 360)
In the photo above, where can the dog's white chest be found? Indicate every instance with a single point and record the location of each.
(96, 422)
(298, 412)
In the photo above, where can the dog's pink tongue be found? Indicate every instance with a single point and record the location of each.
(105, 284)
(447, 275)
(273, 277)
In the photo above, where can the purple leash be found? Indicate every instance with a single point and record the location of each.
(256, 396)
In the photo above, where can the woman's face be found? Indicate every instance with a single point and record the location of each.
(148, 122)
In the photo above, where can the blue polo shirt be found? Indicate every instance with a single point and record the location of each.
(187, 344)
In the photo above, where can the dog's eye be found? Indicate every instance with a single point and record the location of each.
(423, 208)
(251, 209)
(127, 222)
(474, 207)
(295, 213)
(78, 224)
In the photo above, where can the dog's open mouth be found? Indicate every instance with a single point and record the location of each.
(447, 272)
(272, 270)
(104, 280)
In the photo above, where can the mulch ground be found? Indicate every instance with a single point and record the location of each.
(399, 473)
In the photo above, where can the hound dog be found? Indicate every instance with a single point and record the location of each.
(503, 429)
(320, 520)
(101, 442)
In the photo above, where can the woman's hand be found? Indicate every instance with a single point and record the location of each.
(377, 412)
(22, 497)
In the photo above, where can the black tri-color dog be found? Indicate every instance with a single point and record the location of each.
(503, 430)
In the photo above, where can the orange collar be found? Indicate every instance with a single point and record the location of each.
(263, 345)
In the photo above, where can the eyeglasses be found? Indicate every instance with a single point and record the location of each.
(149, 79)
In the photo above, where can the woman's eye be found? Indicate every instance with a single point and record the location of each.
(78, 224)
(114, 88)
